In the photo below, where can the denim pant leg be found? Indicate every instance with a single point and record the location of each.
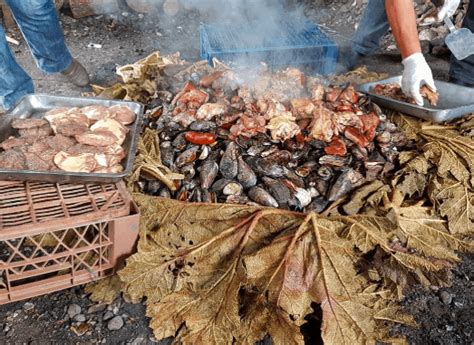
(14, 82)
(463, 70)
(40, 26)
(372, 28)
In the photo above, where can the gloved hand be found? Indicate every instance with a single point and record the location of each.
(448, 9)
(416, 74)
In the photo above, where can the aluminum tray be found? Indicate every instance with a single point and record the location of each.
(35, 106)
(454, 101)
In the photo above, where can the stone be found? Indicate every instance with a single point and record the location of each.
(446, 297)
(28, 306)
(80, 318)
(73, 310)
(96, 308)
(115, 323)
(108, 315)
(138, 341)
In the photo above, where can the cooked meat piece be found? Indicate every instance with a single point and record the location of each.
(28, 123)
(81, 148)
(12, 160)
(116, 169)
(210, 110)
(60, 142)
(100, 137)
(430, 95)
(96, 112)
(395, 91)
(13, 142)
(36, 132)
(35, 162)
(71, 128)
(84, 162)
(117, 129)
(322, 127)
(122, 114)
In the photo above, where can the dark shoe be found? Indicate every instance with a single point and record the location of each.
(76, 74)
(459, 82)
(348, 60)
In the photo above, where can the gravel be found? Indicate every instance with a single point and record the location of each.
(73, 310)
(115, 323)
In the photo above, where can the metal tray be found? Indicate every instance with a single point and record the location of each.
(35, 106)
(454, 101)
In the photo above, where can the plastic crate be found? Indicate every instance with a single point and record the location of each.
(297, 43)
(55, 236)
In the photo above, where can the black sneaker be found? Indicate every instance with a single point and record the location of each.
(76, 74)
(348, 60)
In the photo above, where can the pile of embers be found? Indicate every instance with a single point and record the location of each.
(278, 139)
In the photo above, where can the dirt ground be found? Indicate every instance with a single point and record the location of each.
(124, 38)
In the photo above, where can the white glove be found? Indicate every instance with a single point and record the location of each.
(448, 9)
(416, 74)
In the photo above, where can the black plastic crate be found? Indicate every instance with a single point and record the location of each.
(295, 43)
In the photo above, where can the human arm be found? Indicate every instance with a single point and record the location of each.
(402, 18)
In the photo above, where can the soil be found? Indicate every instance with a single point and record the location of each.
(126, 37)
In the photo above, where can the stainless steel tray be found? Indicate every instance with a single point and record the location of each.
(454, 101)
(35, 106)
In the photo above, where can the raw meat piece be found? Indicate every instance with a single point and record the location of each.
(81, 148)
(122, 114)
(36, 132)
(97, 138)
(35, 162)
(13, 142)
(12, 160)
(117, 129)
(28, 123)
(96, 112)
(84, 162)
(59, 142)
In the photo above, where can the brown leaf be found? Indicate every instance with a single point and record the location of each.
(105, 290)
(455, 202)
(359, 198)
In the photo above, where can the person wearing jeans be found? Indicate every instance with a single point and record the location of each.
(377, 19)
(39, 24)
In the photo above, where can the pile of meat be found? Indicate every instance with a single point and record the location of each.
(394, 91)
(282, 140)
(86, 140)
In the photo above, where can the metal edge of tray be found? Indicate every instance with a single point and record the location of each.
(72, 177)
(426, 113)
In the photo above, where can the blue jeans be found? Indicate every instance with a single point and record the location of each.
(39, 23)
(374, 25)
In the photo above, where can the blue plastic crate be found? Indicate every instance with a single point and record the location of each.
(296, 43)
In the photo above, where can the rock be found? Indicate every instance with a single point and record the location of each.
(138, 341)
(96, 308)
(28, 306)
(80, 318)
(108, 315)
(446, 297)
(73, 310)
(115, 324)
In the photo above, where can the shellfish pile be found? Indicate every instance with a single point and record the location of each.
(281, 140)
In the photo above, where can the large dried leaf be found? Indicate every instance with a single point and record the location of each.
(222, 273)
(105, 290)
(455, 202)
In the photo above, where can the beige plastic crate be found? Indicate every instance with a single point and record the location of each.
(55, 236)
